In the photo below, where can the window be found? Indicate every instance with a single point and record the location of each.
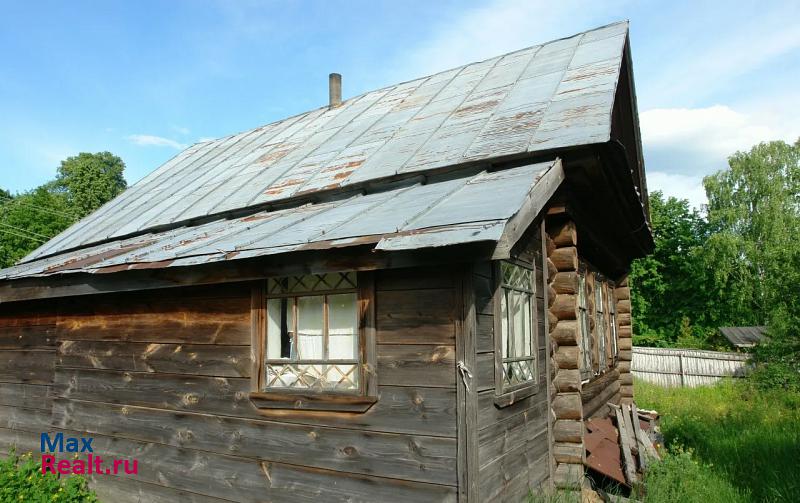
(516, 347)
(312, 339)
(612, 315)
(600, 323)
(586, 333)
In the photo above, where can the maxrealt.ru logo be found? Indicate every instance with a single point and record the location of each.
(92, 463)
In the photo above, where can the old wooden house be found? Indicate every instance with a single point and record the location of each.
(415, 294)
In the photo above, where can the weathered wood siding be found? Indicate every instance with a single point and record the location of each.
(513, 444)
(686, 367)
(163, 377)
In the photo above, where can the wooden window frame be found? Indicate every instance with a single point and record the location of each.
(612, 318)
(600, 324)
(586, 367)
(317, 400)
(505, 396)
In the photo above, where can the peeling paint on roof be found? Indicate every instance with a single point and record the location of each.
(410, 216)
(556, 95)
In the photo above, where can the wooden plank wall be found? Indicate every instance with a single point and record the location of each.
(513, 444)
(163, 377)
(27, 355)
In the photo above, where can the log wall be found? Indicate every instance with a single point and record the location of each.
(164, 376)
(513, 440)
(625, 324)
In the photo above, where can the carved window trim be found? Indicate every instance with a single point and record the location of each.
(508, 394)
(357, 400)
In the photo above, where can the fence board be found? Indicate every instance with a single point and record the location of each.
(685, 367)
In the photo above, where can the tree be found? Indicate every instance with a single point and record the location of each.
(754, 214)
(84, 183)
(668, 295)
(90, 180)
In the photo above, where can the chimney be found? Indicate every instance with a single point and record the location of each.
(335, 90)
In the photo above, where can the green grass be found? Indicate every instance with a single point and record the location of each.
(728, 442)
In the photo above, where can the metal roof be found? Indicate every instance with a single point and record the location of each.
(744, 336)
(559, 94)
(407, 216)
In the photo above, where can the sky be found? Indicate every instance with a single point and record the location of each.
(145, 79)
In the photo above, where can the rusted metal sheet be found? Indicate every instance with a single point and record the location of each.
(406, 216)
(554, 95)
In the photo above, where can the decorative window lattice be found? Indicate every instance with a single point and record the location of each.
(518, 333)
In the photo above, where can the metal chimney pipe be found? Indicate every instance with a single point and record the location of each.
(335, 89)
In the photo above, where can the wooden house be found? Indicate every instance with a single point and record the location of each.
(415, 294)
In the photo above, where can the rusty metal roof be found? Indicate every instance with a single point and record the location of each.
(410, 215)
(555, 95)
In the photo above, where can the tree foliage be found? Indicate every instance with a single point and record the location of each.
(737, 265)
(84, 183)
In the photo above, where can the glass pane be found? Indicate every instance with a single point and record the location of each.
(309, 328)
(520, 315)
(505, 335)
(342, 326)
(279, 322)
(316, 377)
(516, 276)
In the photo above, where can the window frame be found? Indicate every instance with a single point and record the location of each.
(357, 400)
(584, 315)
(600, 323)
(507, 395)
(612, 318)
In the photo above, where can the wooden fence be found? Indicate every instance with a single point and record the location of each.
(685, 367)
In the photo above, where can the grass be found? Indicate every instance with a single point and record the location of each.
(728, 443)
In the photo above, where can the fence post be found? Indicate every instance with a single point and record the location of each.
(680, 361)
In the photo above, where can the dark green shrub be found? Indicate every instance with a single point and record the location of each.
(21, 480)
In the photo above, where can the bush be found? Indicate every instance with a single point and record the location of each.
(777, 360)
(21, 480)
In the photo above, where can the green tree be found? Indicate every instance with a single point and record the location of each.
(84, 183)
(89, 180)
(754, 248)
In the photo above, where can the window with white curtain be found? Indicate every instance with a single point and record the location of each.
(312, 339)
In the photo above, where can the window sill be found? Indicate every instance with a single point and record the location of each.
(515, 396)
(312, 401)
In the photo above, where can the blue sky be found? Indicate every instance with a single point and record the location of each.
(143, 79)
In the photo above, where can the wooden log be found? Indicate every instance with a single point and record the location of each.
(566, 282)
(568, 357)
(565, 307)
(623, 282)
(624, 344)
(625, 355)
(565, 259)
(622, 293)
(567, 380)
(596, 386)
(566, 333)
(623, 306)
(552, 270)
(550, 245)
(564, 234)
(568, 452)
(593, 407)
(568, 476)
(626, 379)
(624, 367)
(551, 295)
(566, 430)
(624, 319)
(552, 321)
(567, 406)
(626, 390)
(624, 332)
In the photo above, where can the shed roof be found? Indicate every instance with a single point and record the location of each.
(407, 216)
(744, 336)
(542, 98)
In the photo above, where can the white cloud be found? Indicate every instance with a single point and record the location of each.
(698, 141)
(679, 186)
(155, 141)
